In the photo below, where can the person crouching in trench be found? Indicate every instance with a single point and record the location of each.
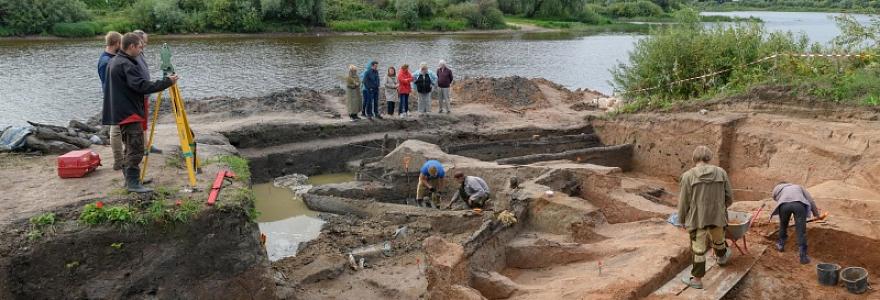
(704, 196)
(474, 191)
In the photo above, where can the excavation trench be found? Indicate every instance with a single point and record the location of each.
(590, 197)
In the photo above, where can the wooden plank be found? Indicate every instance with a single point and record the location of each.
(718, 280)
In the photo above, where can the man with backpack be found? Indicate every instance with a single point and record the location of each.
(424, 82)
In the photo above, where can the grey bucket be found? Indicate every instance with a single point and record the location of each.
(855, 279)
(828, 273)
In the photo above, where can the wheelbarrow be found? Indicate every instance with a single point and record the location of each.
(738, 224)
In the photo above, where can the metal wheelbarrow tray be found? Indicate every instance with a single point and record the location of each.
(738, 224)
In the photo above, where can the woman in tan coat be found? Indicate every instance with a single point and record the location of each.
(353, 93)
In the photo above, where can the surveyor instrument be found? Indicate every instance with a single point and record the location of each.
(184, 132)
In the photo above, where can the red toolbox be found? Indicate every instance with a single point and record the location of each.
(78, 163)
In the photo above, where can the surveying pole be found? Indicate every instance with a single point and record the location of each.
(184, 132)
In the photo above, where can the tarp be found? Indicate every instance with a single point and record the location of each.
(13, 138)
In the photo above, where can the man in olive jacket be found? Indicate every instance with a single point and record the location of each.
(703, 199)
(124, 105)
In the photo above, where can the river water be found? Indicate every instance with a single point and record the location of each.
(55, 81)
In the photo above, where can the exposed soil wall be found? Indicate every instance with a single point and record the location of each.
(215, 256)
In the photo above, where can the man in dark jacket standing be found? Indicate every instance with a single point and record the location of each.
(371, 85)
(703, 198)
(124, 94)
(142, 63)
(444, 81)
(113, 42)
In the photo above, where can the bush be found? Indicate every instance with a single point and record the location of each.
(233, 15)
(688, 49)
(305, 11)
(121, 25)
(159, 15)
(338, 10)
(407, 13)
(37, 16)
(482, 15)
(640, 8)
(79, 29)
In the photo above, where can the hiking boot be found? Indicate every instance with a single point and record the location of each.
(724, 259)
(804, 258)
(133, 181)
(780, 246)
(155, 150)
(692, 282)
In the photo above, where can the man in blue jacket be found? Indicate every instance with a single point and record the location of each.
(431, 177)
(371, 90)
(112, 43)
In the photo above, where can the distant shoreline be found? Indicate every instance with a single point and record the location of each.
(522, 28)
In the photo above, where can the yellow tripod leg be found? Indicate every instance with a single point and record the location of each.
(152, 132)
(188, 130)
(184, 133)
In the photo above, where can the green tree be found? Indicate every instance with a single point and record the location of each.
(408, 13)
(307, 11)
(37, 16)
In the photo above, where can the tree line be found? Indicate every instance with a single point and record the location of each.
(92, 17)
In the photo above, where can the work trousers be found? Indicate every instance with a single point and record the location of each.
(404, 104)
(699, 240)
(799, 210)
(133, 138)
(371, 103)
(116, 145)
(389, 105)
(422, 190)
(424, 102)
(443, 98)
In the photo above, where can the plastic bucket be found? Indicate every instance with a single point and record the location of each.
(828, 273)
(855, 279)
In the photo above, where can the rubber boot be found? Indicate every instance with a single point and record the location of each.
(803, 255)
(133, 181)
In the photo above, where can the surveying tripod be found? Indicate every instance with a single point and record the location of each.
(187, 138)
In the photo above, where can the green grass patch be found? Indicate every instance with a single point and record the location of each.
(117, 215)
(236, 164)
(78, 29)
(43, 219)
(40, 224)
(363, 25)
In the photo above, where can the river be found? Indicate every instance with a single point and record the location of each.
(55, 81)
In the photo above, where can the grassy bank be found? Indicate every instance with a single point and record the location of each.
(661, 70)
(783, 7)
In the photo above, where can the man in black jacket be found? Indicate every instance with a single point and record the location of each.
(124, 105)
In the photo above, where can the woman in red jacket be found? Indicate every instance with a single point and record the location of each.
(404, 88)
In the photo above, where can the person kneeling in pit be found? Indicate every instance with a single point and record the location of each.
(431, 178)
(474, 191)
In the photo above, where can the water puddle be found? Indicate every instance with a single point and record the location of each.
(284, 217)
(331, 178)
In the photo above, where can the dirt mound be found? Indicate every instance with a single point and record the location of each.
(504, 93)
(290, 100)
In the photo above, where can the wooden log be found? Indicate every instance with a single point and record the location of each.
(46, 134)
(48, 127)
(80, 126)
(48, 147)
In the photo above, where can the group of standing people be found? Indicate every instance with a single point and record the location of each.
(362, 90)
(126, 85)
(704, 196)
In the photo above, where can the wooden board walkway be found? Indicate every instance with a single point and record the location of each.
(718, 280)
